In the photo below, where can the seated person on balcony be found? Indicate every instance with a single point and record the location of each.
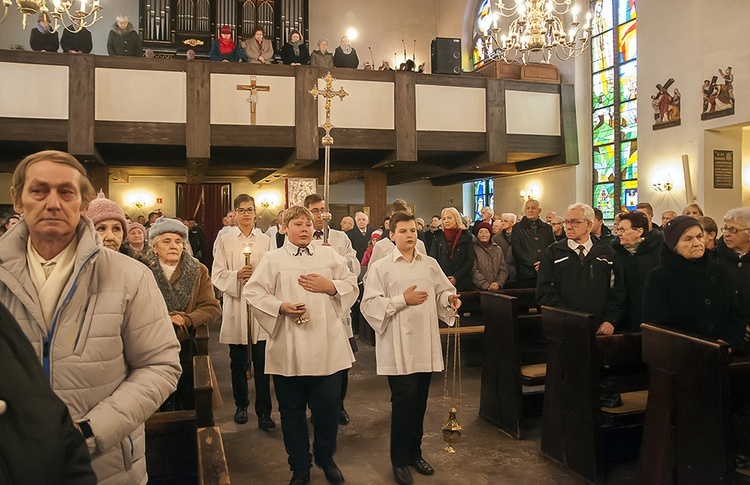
(258, 49)
(295, 52)
(345, 55)
(123, 39)
(41, 39)
(321, 57)
(224, 49)
(76, 42)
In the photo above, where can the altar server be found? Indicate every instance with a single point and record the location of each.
(229, 273)
(299, 294)
(405, 295)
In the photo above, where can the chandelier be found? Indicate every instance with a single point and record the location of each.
(84, 16)
(538, 29)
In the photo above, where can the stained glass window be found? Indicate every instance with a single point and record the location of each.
(484, 196)
(614, 118)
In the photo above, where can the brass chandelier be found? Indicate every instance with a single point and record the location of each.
(82, 17)
(538, 29)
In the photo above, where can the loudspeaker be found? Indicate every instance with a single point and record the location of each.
(446, 55)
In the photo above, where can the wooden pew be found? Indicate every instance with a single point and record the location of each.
(687, 426)
(212, 462)
(577, 433)
(514, 359)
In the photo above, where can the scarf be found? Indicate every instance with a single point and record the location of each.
(634, 247)
(295, 47)
(226, 46)
(177, 295)
(487, 244)
(260, 44)
(346, 50)
(452, 235)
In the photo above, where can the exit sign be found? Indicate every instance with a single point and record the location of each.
(158, 200)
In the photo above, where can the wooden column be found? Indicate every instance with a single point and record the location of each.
(405, 116)
(98, 174)
(81, 105)
(376, 189)
(306, 135)
(497, 136)
(198, 125)
(568, 124)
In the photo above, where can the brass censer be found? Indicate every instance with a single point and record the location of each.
(451, 430)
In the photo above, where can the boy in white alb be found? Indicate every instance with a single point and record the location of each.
(405, 295)
(229, 274)
(299, 294)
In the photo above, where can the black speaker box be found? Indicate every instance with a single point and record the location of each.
(446, 55)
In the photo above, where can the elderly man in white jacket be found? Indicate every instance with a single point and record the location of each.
(96, 318)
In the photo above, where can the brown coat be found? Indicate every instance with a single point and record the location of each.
(253, 52)
(202, 309)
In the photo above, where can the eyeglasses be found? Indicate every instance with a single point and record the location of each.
(574, 222)
(557, 223)
(733, 230)
(249, 210)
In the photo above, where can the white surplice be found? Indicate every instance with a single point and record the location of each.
(320, 346)
(341, 243)
(384, 247)
(228, 260)
(407, 336)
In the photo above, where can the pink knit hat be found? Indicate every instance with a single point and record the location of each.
(139, 226)
(103, 209)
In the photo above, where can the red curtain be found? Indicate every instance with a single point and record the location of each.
(213, 209)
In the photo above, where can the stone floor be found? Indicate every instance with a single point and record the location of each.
(484, 456)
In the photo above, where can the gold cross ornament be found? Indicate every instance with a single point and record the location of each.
(329, 94)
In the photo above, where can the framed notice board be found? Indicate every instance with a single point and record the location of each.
(723, 169)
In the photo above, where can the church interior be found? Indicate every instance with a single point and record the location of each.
(184, 137)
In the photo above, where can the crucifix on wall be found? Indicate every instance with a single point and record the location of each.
(253, 98)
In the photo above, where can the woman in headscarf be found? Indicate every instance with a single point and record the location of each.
(490, 272)
(295, 52)
(321, 57)
(453, 249)
(224, 49)
(109, 222)
(345, 55)
(188, 292)
(123, 39)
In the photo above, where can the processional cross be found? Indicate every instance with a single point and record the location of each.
(327, 140)
(253, 99)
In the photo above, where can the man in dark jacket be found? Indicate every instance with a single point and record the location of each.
(529, 239)
(578, 275)
(734, 253)
(600, 232)
(360, 234)
(76, 41)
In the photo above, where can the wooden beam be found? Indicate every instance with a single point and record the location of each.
(568, 124)
(452, 141)
(496, 134)
(292, 165)
(140, 133)
(35, 130)
(547, 144)
(361, 139)
(405, 116)
(81, 78)
(339, 176)
(198, 126)
(306, 113)
(376, 192)
(252, 136)
(98, 174)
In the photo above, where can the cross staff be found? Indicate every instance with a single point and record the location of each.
(253, 88)
(327, 140)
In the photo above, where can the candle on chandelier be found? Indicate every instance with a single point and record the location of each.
(83, 5)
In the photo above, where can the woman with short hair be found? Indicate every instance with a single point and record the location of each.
(295, 52)
(453, 249)
(692, 210)
(258, 49)
(123, 39)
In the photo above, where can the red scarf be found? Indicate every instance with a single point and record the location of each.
(452, 235)
(226, 46)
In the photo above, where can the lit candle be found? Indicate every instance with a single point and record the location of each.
(83, 5)
(494, 19)
(576, 9)
(96, 3)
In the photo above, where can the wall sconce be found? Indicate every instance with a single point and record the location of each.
(664, 185)
(527, 195)
(267, 201)
(139, 203)
(139, 199)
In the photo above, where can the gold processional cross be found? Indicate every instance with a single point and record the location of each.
(253, 98)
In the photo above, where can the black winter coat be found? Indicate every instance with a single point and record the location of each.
(693, 296)
(43, 41)
(349, 60)
(359, 241)
(288, 57)
(635, 268)
(124, 42)
(463, 258)
(38, 442)
(529, 240)
(596, 286)
(739, 273)
(76, 41)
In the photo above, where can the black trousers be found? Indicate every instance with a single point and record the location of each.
(238, 365)
(323, 395)
(408, 404)
(262, 380)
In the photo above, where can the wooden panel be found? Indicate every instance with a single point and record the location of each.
(534, 144)
(568, 124)
(256, 69)
(141, 63)
(98, 174)
(364, 139)
(375, 195)
(198, 126)
(30, 57)
(458, 141)
(136, 133)
(512, 85)
(406, 116)
(306, 114)
(497, 138)
(212, 461)
(465, 81)
(253, 136)
(81, 109)
(29, 129)
(358, 74)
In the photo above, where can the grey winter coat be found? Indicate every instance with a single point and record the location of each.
(489, 266)
(111, 356)
(124, 42)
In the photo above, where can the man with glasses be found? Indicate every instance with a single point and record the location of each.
(734, 253)
(557, 227)
(667, 216)
(529, 239)
(230, 271)
(578, 275)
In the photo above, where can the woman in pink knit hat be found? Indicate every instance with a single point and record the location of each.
(109, 221)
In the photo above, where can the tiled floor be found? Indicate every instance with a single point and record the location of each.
(484, 456)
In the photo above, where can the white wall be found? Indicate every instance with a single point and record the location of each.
(551, 188)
